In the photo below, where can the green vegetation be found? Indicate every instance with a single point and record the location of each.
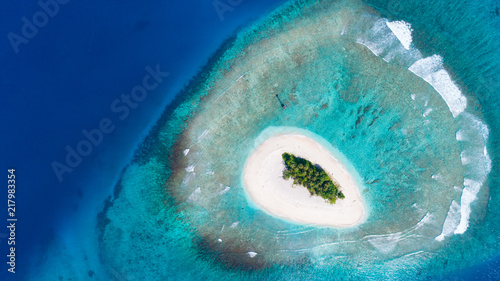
(312, 177)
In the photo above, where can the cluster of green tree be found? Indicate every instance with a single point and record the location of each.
(312, 177)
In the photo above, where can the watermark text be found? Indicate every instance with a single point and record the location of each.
(120, 106)
(30, 27)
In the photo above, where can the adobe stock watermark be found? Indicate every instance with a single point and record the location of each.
(120, 106)
(223, 6)
(49, 9)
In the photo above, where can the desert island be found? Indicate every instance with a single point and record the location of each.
(293, 177)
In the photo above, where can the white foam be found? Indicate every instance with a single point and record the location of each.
(195, 196)
(190, 169)
(385, 244)
(371, 46)
(226, 189)
(451, 221)
(378, 39)
(431, 70)
(465, 160)
(441, 81)
(203, 135)
(427, 112)
(389, 40)
(382, 40)
(476, 161)
(186, 151)
(479, 126)
(426, 66)
(252, 254)
(393, 53)
(188, 178)
(437, 176)
(402, 30)
(474, 133)
(343, 29)
(471, 188)
(428, 218)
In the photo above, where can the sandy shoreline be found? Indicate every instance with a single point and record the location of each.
(265, 186)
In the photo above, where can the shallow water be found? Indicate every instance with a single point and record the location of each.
(413, 128)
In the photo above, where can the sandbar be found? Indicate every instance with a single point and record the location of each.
(264, 184)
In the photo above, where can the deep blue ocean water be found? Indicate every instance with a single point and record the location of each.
(65, 79)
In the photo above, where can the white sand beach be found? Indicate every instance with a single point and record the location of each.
(265, 186)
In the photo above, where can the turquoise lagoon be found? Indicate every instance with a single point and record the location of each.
(406, 92)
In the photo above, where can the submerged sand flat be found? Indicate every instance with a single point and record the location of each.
(264, 184)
